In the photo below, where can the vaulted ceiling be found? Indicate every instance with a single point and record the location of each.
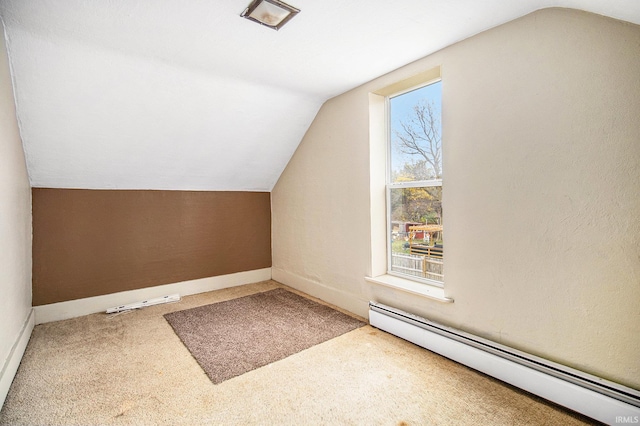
(166, 94)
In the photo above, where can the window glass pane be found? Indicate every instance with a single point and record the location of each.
(417, 245)
(416, 145)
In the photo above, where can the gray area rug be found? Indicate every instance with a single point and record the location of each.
(236, 336)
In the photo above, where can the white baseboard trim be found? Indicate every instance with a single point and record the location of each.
(10, 367)
(90, 305)
(331, 295)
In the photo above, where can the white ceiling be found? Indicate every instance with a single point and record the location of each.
(167, 94)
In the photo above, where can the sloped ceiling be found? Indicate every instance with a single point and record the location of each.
(186, 95)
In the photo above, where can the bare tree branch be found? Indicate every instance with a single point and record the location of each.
(420, 135)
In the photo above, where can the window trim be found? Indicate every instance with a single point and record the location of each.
(376, 269)
(412, 287)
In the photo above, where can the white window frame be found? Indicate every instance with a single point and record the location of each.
(402, 185)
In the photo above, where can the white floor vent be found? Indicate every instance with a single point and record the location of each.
(592, 396)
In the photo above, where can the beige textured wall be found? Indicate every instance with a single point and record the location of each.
(15, 219)
(541, 132)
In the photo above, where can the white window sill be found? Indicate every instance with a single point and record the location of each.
(409, 286)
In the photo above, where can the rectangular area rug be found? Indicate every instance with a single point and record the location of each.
(233, 337)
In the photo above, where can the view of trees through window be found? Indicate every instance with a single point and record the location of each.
(415, 187)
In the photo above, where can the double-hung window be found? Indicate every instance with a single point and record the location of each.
(415, 239)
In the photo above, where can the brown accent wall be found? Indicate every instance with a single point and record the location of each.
(94, 242)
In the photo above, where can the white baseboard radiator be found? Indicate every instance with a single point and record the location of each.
(592, 396)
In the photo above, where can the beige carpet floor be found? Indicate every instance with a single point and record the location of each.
(132, 369)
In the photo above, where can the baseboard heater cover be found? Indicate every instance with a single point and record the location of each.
(592, 396)
(144, 303)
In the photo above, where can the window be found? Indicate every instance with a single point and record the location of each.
(415, 243)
